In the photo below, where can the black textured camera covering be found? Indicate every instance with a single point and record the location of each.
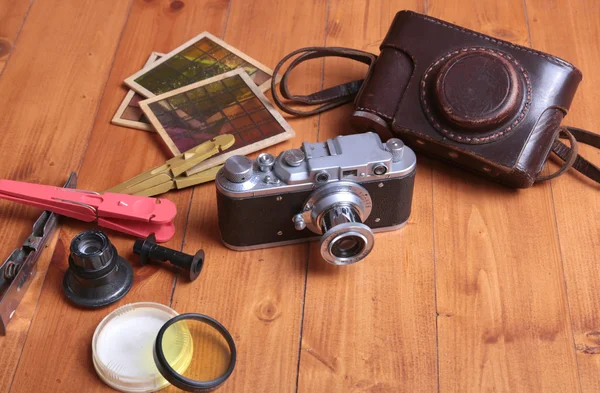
(252, 221)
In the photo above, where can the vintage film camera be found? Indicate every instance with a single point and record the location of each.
(342, 190)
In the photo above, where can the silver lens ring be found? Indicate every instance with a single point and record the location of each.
(347, 243)
(335, 193)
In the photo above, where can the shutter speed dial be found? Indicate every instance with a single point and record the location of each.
(238, 169)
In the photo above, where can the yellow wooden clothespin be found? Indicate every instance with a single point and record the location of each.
(171, 175)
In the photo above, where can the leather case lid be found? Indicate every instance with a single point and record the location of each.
(544, 82)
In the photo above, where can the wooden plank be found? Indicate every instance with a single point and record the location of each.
(12, 17)
(60, 337)
(371, 326)
(257, 295)
(502, 305)
(574, 37)
(48, 123)
(500, 292)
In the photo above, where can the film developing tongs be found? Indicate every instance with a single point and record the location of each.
(135, 215)
(18, 269)
(171, 175)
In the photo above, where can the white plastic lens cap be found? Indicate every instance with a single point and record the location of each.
(122, 347)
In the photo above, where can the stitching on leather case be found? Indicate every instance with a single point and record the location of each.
(500, 42)
(453, 134)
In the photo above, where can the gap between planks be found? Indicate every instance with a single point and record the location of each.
(189, 209)
(307, 261)
(14, 43)
(560, 249)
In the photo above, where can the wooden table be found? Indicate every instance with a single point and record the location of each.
(486, 289)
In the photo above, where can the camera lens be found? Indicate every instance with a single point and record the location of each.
(346, 240)
(347, 246)
(337, 211)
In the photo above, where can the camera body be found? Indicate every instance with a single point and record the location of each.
(483, 104)
(340, 190)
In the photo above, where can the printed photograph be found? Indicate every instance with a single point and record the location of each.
(130, 114)
(226, 104)
(201, 58)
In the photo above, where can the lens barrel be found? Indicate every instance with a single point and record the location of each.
(346, 239)
(337, 211)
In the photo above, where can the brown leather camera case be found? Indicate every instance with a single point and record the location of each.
(484, 104)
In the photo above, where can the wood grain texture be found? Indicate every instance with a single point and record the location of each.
(370, 327)
(113, 155)
(48, 123)
(486, 289)
(12, 16)
(576, 200)
(503, 321)
(257, 295)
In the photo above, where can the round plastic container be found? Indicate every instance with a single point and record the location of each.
(122, 347)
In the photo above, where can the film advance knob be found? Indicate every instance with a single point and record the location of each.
(238, 169)
(396, 147)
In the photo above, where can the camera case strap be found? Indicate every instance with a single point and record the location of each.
(348, 92)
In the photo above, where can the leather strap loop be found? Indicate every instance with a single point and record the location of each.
(570, 154)
(584, 136)
(331, 97)
(580, 164)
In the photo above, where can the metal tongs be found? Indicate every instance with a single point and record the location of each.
(18, 269)
(134, 215)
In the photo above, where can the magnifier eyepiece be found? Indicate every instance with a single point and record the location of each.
(91, 245)
(91, 250)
